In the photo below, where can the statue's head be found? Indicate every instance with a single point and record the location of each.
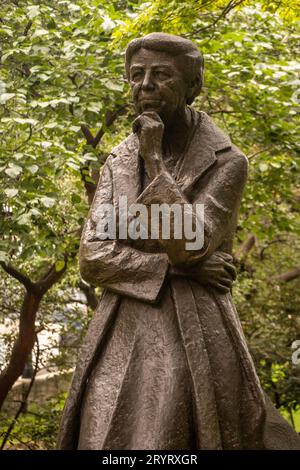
(165, 73)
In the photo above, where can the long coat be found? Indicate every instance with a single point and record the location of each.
(165, 364)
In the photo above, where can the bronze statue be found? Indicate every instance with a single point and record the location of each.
(165, 364)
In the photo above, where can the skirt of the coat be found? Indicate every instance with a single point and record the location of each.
(140, 393)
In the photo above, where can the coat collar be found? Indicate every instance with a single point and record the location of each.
(201, 154)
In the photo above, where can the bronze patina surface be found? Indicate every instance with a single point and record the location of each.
(165, 364)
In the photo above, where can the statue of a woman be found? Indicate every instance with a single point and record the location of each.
(165, 364)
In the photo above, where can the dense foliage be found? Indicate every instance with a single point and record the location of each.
(65, 102)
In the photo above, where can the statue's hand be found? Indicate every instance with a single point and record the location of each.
(217, 271)
(150, 128)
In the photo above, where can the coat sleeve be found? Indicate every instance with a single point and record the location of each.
(221, 200)
(112, 264)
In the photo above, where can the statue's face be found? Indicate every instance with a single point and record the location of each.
(157, 83)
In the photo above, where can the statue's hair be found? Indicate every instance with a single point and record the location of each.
(191, 58)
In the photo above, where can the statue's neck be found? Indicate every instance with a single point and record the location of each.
(177, 132)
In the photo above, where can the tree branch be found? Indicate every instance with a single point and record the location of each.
(50, 278)
(25, 141)
(258, 153)
(111, 116)
(27, 27)
(98, 137)
(272, 242)
(222, 111)
(288, 275)
(22, 278)
(94, 141)
(73, 79)
(245, 248)
(89, 292)
(87, 134)
(230, 6)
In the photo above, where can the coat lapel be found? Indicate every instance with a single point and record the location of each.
(127, 169)
(201, 154)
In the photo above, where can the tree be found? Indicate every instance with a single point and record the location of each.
(55, 110)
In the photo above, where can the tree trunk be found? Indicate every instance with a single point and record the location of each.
(23, 345)
(26, 336)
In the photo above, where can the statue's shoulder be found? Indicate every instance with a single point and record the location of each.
(126, 148)
(222, 144)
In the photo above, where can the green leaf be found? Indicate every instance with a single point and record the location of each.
(75, 198)
(75, 128)
(26, 121)
(33, 11)
(33, 169)
(94, 107)
(47, 201)
(13, 170)
(276, 165)
(4, 97)
(59, 265)
(6, 56)
(263, 167)
(3, 257)
(35, 212)
(11, 192)
(114, 86)
(24, 219)
(39, 32)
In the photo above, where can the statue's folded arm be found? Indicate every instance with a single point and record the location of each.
(221, 200)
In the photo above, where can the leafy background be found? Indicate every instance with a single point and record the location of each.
(65, 103)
